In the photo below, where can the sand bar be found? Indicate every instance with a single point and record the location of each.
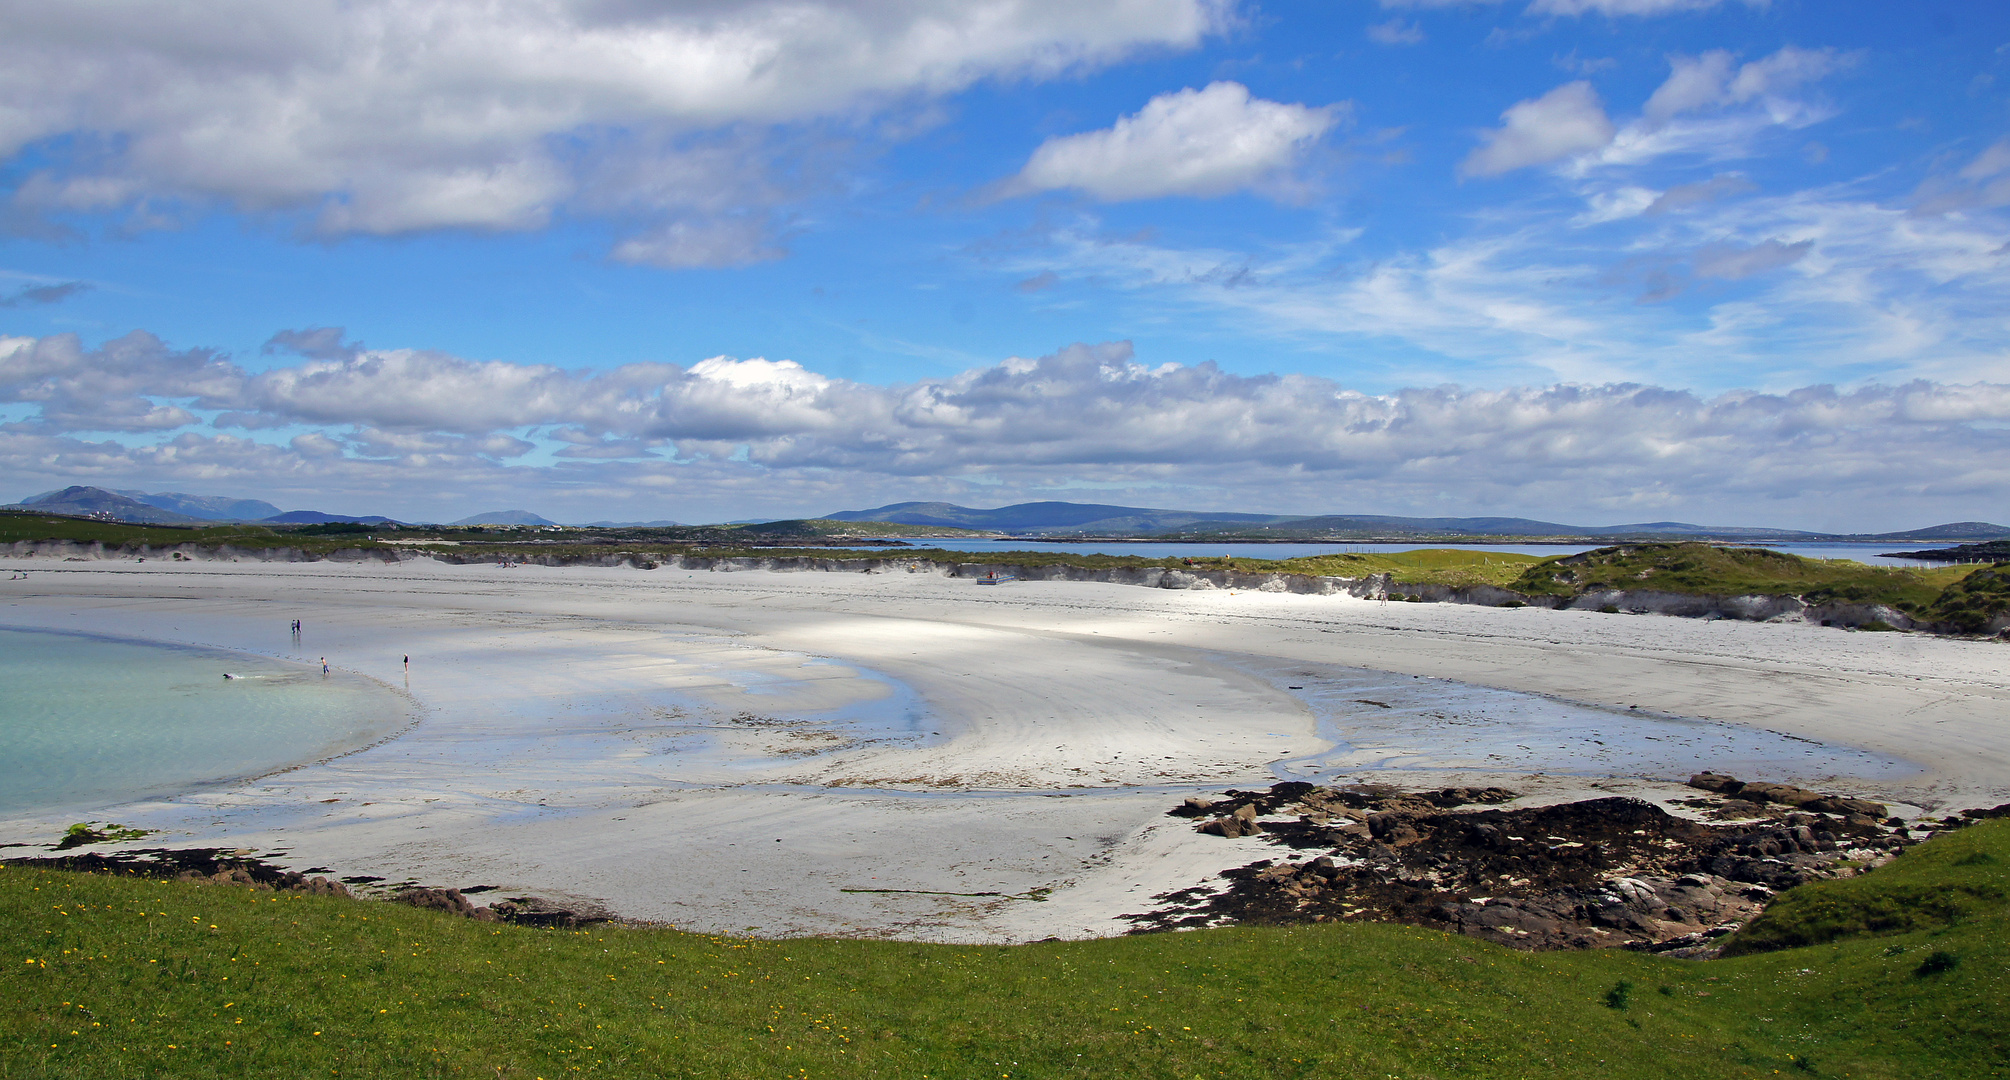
(915, 756)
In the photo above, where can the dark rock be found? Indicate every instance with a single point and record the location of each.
(1786, 794)
(448, 900)
(1709, 781)
(1597, 873)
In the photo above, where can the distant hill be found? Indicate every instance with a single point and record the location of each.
(97, 502)
(207, 507)
(1092, 519)
(1048, 517)
(631, 524)
(504, 517)
(1959, 530)
(316, 517)
(1383, 525)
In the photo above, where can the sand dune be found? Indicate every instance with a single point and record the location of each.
(915, 756)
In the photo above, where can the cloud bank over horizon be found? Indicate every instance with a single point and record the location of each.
(422, 434)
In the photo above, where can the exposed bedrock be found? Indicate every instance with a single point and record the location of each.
(1590, 874)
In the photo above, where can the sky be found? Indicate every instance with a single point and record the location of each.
(1593, 261)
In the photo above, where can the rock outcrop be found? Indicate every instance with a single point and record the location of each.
(1589, 874)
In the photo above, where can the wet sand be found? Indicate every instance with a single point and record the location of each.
(913, 756)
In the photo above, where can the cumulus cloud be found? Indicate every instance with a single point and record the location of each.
(381, 116)
(1202, 143)
(128, 384)
(752, 432)
(1567, 121)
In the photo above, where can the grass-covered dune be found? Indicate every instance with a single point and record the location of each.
(1959, 597)
(124, 977)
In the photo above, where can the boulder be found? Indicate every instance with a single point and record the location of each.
(1785, 794)
(1709, 781)
(448, 900)
(1241, 823)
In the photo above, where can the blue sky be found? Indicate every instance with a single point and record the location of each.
(1596, 260)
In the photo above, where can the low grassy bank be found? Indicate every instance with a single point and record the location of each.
(1708, 569)
(1962, 598)
(123, 977)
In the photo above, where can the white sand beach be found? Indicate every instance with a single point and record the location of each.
(915, 756)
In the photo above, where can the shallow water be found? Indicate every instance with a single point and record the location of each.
(1379, 721)
(90, 721)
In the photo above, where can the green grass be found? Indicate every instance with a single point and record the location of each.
(1937, 885)
(1436, 566)
(1697, 568)
(1968, 605)
(105, 977)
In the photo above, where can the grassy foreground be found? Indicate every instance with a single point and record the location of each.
(124, 977)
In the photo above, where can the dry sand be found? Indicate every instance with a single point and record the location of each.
(914, 756)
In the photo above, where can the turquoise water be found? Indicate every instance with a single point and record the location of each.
(90, 721)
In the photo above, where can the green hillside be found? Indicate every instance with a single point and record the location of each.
(109, 977)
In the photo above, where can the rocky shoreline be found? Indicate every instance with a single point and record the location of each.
(216, 866)
(1598, 873)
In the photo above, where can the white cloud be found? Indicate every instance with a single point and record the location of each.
(1714, 80)
(1682, 196)
(1202, 143)
(382, 116)
(1396, 32)
(734, 241)
(751, 434)
(1530, 295)
(1982, 183)
(1565, 122)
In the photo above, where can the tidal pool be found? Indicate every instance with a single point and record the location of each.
(1379, 721)
(89, 721)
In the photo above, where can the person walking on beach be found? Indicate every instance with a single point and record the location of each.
(324, 665)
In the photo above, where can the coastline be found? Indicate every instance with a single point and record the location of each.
(539, 768)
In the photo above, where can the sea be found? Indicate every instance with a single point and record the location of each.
(89, 721)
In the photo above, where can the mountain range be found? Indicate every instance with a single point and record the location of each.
(1025, 519)
(1090, 519)
(174, 508)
